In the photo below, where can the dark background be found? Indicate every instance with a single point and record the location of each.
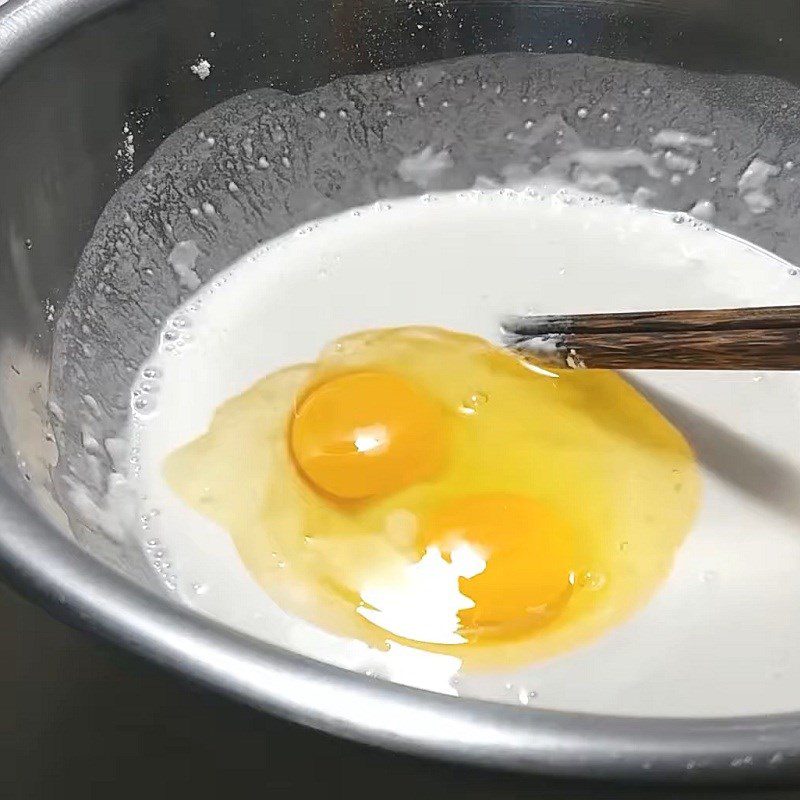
(81, 719)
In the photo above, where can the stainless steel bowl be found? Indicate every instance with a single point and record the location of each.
(69, 72)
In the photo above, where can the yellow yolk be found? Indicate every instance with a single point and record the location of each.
(366, 434)
(529, 556)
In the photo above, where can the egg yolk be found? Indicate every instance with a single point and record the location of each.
(366, 434)
(528, 557)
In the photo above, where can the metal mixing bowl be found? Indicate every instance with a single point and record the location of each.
(70, 71)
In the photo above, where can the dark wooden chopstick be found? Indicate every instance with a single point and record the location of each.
(725, 339)
(648, 321)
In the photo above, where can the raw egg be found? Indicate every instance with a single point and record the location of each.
(367, 434)
(426, 487)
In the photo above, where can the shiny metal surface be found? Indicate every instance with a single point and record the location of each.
(108, 712)
(70, 70)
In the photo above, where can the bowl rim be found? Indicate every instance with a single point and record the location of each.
(74, 586)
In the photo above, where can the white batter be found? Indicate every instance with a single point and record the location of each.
(720, 637)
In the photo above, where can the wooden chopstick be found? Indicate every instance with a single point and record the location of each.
(636, 321)
(724, 339)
